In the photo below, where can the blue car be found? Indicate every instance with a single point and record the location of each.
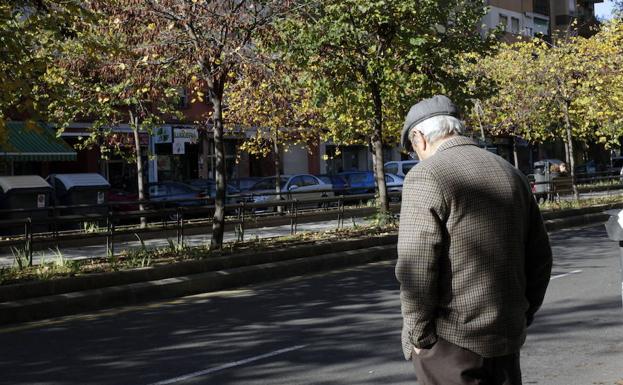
(360, 182)
(339, 183)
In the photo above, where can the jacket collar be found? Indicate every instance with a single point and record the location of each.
(456, 141)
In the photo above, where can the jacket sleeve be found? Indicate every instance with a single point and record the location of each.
(420, 245)
(538, 265)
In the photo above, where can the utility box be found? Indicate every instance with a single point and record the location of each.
(614, 228)
(89, 189)
(30, 193)
(543, 177)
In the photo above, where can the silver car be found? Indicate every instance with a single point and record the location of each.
(400, 168)
(394, 185)
(302, 187)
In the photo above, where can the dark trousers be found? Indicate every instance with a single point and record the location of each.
(448, 364)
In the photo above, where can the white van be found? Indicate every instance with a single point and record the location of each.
(400, 168)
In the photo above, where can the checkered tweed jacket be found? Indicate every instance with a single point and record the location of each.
(474, 258)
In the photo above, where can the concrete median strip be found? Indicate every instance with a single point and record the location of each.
(47, 299)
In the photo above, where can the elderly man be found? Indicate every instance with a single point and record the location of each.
(474, 258)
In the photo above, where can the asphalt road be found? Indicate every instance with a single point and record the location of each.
(336, 328)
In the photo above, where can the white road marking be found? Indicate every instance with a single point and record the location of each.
(227, 366)
(564, 275)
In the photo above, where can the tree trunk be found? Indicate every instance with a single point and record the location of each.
(139, 165)
(218, 222)
(569, 135)
(566, 143)
(377, 147)
(478, 108)
(515, 154)
(277, 164)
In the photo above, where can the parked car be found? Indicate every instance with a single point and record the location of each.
(400, 168)
(361, 182)
(208, 187)
(174, 194)
(394, 185)
(126, 198)
(244, 184)
(303, 187)
(393, 182)
(587, 168)
(339, 183)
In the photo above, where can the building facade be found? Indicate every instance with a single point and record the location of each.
(531, 18)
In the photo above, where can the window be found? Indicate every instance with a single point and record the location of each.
(389, 179)
(297, 181)
(309, 180)
(157, 190)
(265, 184)
(515, 25)
(408, 166)
(503, 21)
(391, 168)
(182, 102)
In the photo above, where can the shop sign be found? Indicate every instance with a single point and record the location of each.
(186, 135)
(179, 148)
(163, 135)
(100, 197)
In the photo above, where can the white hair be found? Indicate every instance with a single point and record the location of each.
(439, 127)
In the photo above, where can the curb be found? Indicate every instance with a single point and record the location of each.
(34, 289)
(38, 300)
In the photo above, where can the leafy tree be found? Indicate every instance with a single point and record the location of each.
(208, 42)
(568, 89)
(601, 100)
(111, 80)
(33, 33)
(271, 105)
(370, 60)
(516, 106)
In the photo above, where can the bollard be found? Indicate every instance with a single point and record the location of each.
(614, 228)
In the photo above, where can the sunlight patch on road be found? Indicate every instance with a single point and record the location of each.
(565, 275)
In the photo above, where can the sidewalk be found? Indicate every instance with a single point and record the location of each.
(94, 251)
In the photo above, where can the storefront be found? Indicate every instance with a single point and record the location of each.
(31, 148)
(176, 153)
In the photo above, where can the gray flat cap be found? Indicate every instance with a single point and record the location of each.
(427, 108)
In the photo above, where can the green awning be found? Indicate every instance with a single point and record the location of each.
(29, 142)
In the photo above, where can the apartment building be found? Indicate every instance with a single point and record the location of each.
(530, 18)
(527, 18)
(563, 12)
